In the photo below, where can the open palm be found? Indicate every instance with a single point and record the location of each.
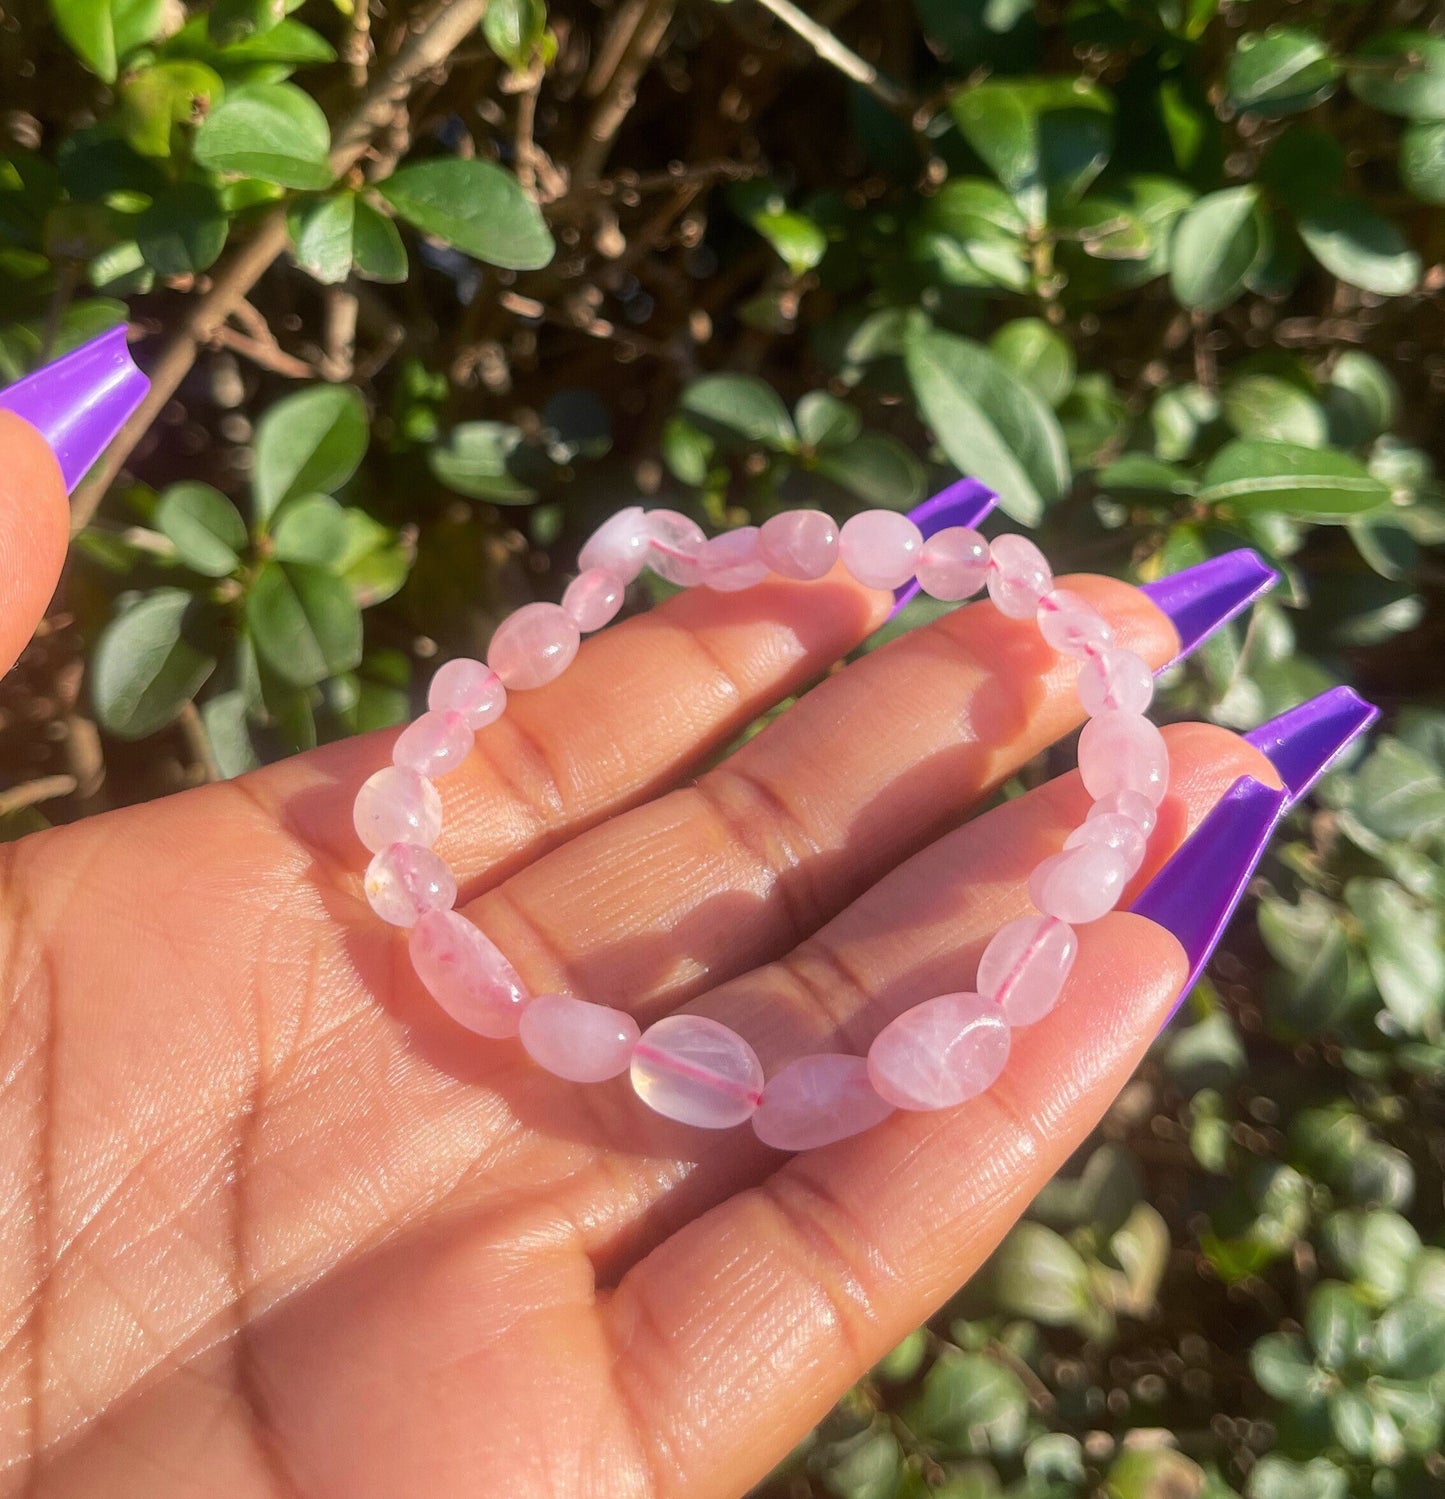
(274, 1225)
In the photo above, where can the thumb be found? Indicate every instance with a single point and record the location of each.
(34, 532)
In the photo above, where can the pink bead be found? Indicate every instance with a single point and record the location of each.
(462, 969)
(1018, 576)
(470, 688)
(939, 1053)
(434, 744)
(534, 646)
(404, 882)
(593, 598)
(694, 1069)
(674, 544)
(880, 548)
(954, 564)
(1115, 679)
(1079, 885)
(730, 562)
(817, 1100)
(397, 806)
(1112, 830)
(1072, 625)
(585, 1043)
(619, 545)
(1131, 804)
(1024, 967)
(800, 544)
(1123, 752)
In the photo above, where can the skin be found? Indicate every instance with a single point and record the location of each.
(272, 1225)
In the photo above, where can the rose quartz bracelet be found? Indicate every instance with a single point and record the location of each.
(695, 1069)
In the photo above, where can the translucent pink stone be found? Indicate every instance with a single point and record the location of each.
(397, 806)
(1121, 751)
(466, 974)
(939, 1053)
(1112, 830)
(619, 544)
(534, 646)
(1071, 624)
(405, 881)
(470, 688)
(674, 544)
(1024, 966)
(954, 564)
(1115, 679)
(1079, 885)
(434, 744)
(1018, 576)
(697, 1070)
(571, 1038)
(730, 562)
(880, 548)
(1131, 804)
(593, 598)
(799, 544)
(817, 1100)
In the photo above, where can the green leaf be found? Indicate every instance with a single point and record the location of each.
(1216, 242)
(1404, 951)
(478, 458)
(205, 527)
(1275, 1477)
(1138, 471)
(1152, 1473)
(1038, 1274)
(1338, 1324)
(1303, 164)
(990, 423)
(287, 44)
(146, 666)
(1317, 484)
(1375, 1249)
(226, 719)
(311, 441)
(687, 451)
(152, 102)
(514, 30)
(1362, 399)
(1353, 242)
(304, 621)
(1281, 1368)
(322, 231)
(1352, 1421)
(311, 528)
(1403, 73)
(742, 407)
(235, 20)
(377, 251)
(475, 206)
(1422, 160)
(972, 234)
(1398, 792)
(183, 230)
(104, 31)
(1280, 71)
(1272, 408)
(1410, 1339)
(823, 421)
(274, 131)
(876, 468)
(1038, 355)
(968, 1405)
(376, 559)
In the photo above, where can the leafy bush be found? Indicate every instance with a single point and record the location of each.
(439, 289)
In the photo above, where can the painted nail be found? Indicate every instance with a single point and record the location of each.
(964, 503)
(1195, 893)
(80, 401)
(1302, 743)
(1198, 600)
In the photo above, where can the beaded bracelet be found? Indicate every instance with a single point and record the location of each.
(692, 1068)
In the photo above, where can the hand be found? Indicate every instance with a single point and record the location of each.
(274, 1225)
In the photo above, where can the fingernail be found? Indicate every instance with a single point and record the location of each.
(80, 401)
(1195, 893)
(1200, 599)
(964, 503)
(1302, 743)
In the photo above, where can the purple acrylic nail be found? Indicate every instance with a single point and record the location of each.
(80, 401)
(964, 503)
(1201, 598)
(1195, 893)
(1302, 743)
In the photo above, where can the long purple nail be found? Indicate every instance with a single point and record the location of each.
(80, 401)
(1302, 743)
(964, 503)
(1209, 594)
(1195, 893)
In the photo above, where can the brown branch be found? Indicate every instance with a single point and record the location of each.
(832, 51)
(263, 351)
(620, 93)
(32, 793)
(434, 37)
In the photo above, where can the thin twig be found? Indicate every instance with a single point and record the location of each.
(197, 740)
(32, 793)
(831, 50)
(265, 352)
(445, 26)
(620, 93)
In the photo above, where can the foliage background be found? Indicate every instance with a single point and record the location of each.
(428, 291)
